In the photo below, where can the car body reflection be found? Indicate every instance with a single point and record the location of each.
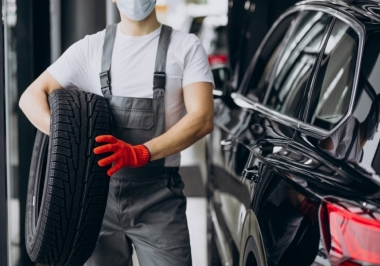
(294, 158)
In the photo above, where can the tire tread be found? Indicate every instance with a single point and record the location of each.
(77, 187)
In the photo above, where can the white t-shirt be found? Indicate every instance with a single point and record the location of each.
(132, 69)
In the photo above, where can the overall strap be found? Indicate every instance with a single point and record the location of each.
(105, 77)
(162, 52)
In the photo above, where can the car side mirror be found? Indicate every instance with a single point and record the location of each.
(222, 76)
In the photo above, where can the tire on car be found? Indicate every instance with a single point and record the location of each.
(67, 190)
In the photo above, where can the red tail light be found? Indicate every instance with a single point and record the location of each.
(216, 59)
(351, 235)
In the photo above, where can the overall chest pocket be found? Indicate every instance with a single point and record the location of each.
(133, 118)
(133, 125)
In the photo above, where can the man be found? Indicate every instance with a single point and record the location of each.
(145, 205)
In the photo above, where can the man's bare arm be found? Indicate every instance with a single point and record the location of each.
(198, 122)
(34, 104)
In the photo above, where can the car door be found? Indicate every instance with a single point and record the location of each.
(280, 109)
(331, 152)
(224, 188)
(243, 124)
(327, 111)
(338, 142)
(235, 128)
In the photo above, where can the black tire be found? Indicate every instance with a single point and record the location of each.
(67, 190)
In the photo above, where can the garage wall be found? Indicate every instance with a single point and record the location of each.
(80, 18)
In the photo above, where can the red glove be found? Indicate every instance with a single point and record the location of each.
(124, 154)
(309, 209)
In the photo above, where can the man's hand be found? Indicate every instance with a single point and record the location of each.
(124, 154)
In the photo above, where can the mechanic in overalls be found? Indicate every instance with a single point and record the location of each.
(145, 205)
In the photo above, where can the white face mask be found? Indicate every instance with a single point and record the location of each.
(136, 10)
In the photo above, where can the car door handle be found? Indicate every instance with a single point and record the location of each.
(226, 142)
(252, 174)
(266, 149)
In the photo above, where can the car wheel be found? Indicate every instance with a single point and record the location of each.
(212, 251)
(67, 190)
(249, 258)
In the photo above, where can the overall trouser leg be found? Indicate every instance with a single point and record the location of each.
(113, 246)
(151, 215)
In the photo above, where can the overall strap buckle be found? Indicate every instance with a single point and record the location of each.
(105, 83)
(105, 79)
(159, 81)
(105, 74)
(161, 58)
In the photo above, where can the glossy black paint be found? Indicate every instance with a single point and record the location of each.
(249, 21)
(306, 117)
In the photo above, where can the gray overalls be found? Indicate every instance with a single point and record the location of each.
(145, 205)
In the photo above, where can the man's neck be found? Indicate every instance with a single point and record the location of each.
(139, 28)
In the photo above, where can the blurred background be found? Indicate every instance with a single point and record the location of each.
(35, 33)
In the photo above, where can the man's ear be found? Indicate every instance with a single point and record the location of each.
(114, 1)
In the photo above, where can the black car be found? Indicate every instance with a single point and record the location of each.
(294, 160)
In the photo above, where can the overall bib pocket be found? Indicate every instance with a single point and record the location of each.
(133, 125)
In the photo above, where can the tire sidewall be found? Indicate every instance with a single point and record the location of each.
(33, 224)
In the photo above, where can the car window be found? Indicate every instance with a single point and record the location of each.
(357, 140)
(295, 63)
(266, 57)
(333, 88)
